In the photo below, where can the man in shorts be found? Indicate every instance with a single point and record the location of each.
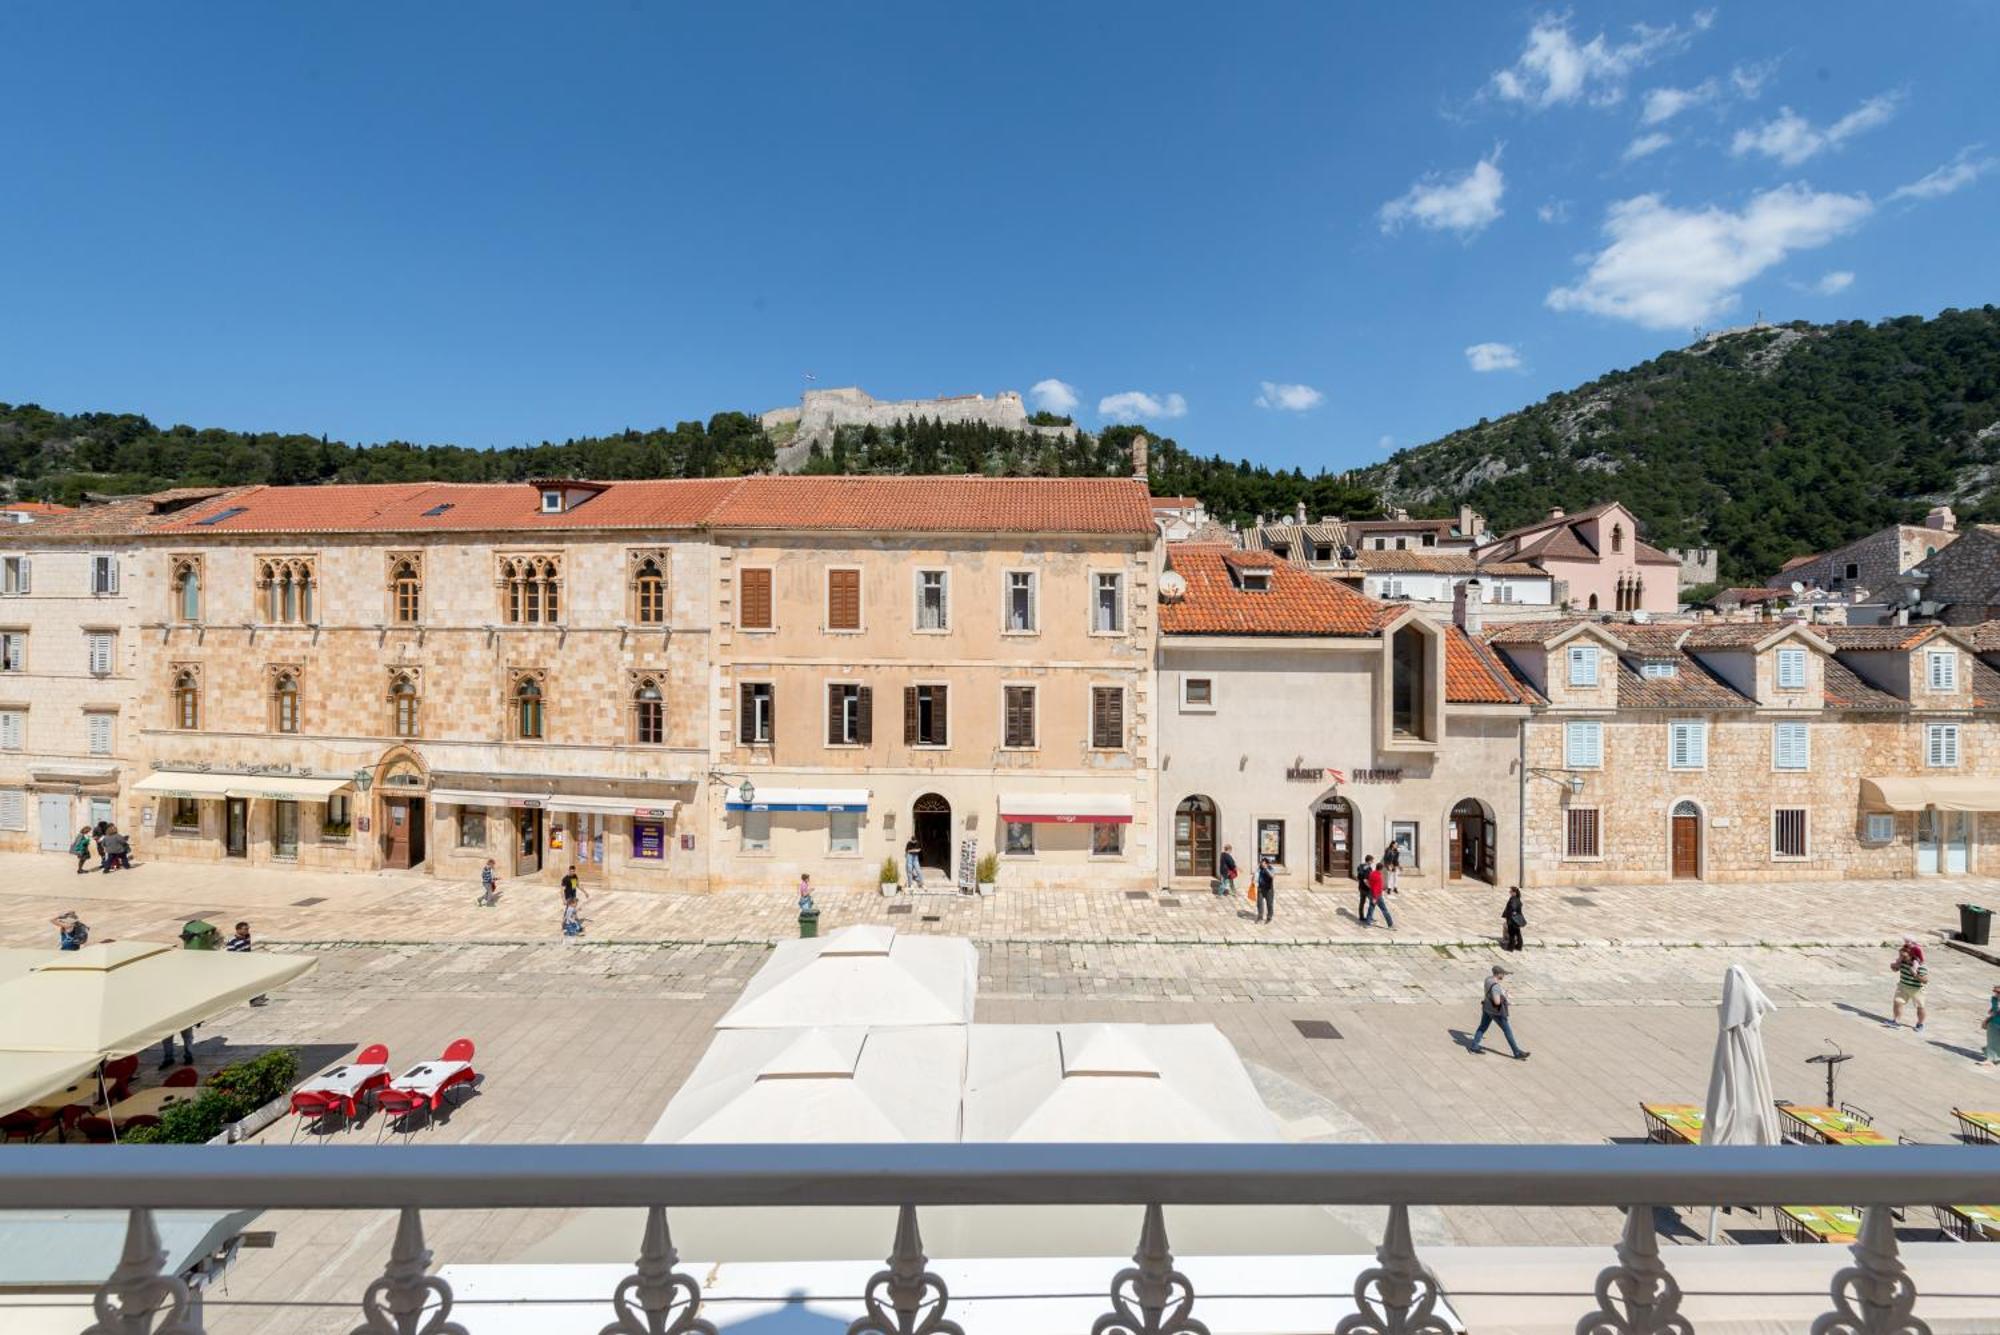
(1911, 976)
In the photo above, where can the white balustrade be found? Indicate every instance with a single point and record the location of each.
(1397, 1295)
(1150, 1297)
(407, 1287)
(917, 1298)
(131, 1301)
(1649, 1299)
(669, 1301)
(1874, 1296)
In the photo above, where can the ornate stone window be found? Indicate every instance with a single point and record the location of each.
(405, 696)
(649, 710)
(187, 696)
(284, 698)
(531, 589)
(289, 588)
(185, 580)
(1617, 537)
(406, 588)
(649, 587)
(529, 704)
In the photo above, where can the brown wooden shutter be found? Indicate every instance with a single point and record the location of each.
(746, 716)
(755, 598)
(1108, 717)
(1020, 716)
(940, 716)
(843, 599)
(864, 717)
(834, 698)
(909, 716)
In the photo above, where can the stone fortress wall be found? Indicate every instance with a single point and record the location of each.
(820, 412)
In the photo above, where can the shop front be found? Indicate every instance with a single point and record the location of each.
(1940, 817)
(779, 834)
(622, 831)
(68, 799)
(257, 816)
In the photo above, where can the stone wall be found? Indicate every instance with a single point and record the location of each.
(822, 411)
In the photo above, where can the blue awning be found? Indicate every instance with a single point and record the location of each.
(803, 799)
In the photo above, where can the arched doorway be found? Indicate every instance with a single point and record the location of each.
(1473, 835)
(930, 820)
(1684, 841)
(400, 786)
(1333, 840)
(1194, 837)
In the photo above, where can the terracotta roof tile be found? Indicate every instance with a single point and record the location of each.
(1539, 630)
(1845, 690)
(113, 517)
(1691, 687)
(36, 508)
(940, 504)
(1985, 685)
(1297, 603)
(452, 507)
(1984, 637)
(1440, 526)
(1473, 673)
(1877, 637)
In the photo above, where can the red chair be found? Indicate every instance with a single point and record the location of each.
(393, 1103)
(67, 1117)
(459, 1051)
(96, 1130)
(118, 1076)
(182, 1077)
(309, 1107)
(26, 1124)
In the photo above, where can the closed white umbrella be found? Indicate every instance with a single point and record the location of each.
(1741, 1110)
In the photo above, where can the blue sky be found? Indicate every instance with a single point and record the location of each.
(1290, 233)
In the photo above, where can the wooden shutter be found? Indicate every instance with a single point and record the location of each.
(1020, 716)
(100, 734)
(10, 731)
(746, 713)
(13, 809)
(835, 697)
(1107, 717)
(909, 716)
(864, 716)
(843, 600)
(754, 599)
(940, 716)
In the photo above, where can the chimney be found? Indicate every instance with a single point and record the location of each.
(1465, 600)
(1299, 515)
(1941, 518)
(1401, 513)
(1139, 444)
(1555, 512)
(1470, 524)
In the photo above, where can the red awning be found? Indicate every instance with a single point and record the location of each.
(1066, 808)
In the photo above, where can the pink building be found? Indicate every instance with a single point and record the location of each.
(1597, 555)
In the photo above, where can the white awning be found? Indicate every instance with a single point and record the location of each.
(457, 797)
(1066, 808)
(1946, 794)
(803, 799)
(285, 788)
(645, 808)
(168, 783)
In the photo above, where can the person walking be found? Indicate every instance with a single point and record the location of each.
(1992, 1056)
(489, 886)
(79, 848)
(97, 840)
(913, 864)
(572, 919)
(1267, 891)
(1364, 897)
(1378, 889)
(1512, 919)
(117, 851)
(1494, 1008)
(1392, 867)
(1227, 885)
(1911, 976)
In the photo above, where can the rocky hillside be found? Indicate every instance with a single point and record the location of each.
(1762, 443)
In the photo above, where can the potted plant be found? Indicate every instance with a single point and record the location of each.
(889, 877)
(987, 873)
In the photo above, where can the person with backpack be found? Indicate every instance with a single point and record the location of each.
(1378, 886)
(1227, 885)
(117, 850)
(1912, 975)
(79, 848)
(71, 932)
(1494, 1008)
(1512, 920)
(1364, 898)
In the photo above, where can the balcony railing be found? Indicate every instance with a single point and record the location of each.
(1634, 1294)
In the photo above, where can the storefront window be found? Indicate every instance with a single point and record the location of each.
(1107, 841)
(1020, 837)
(649, 840)
(339, 816)
(285, 829)
(186, 813)
(843, 832)
(756, 832)
(1403, 834)
(1271, 840)
(472, 827)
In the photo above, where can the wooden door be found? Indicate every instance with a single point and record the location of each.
(1194, 838)
(527, 841)
(1687, 848)
(1336, 842)
(396, 832)
(236, 827)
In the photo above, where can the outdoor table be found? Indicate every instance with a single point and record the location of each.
(150, 1102)
(1819, 1223)
(431, 1079)
(348, 1083)
(1971, 1223)
(1830, 1126)
(1672, 1123)
(1983, 1127)
(84, 1091)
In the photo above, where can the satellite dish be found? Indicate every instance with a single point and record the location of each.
(1798, 587)
(1173, 586)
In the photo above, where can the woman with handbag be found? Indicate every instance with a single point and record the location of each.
(1512, 920)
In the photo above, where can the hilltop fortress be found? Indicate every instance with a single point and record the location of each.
(822, 411)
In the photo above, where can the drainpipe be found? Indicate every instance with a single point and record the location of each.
(1521, 811)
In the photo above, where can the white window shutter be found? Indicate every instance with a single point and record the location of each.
(27, 580)
(10, 731)
(13, 809)
(944, 604)
(1950, 746)
(112, 561)
(100, 734)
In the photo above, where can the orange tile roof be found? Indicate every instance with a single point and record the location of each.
(940, 504)
(1473, 674)
(403, 507)
(1297, 603)
(36, 508)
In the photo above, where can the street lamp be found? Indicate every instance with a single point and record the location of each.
(364, 778)
(747, 793)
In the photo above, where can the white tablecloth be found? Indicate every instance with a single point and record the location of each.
(343, 1080)
(428, 1078)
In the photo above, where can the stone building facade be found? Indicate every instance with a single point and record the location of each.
(1596, 559)
(1754, 752)
(1875, 565)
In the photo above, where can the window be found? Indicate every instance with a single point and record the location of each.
(528, 715)
(288, 587)
(1581, 833)
(1403, 834)
(843, 832)
(471, 827)
(284, 829)
(925, 716)
(104, 574)
(1791, 669)
(1853, 570)
(1281, 550)
(1881, 827)
(1791, 746)
(1583, 665)
(1198, 692)
(187, 699)
(649, 840)
(649, 713)
(1020, 838)
(1107, 841)
(931, 611)
(13, 809)
(17, 575)
(1255, 581)
(756, 832)
(1617, 537)
(1941, 669)
(13, 651)
(1941, 745)
(185, 814)
(1402, 544)
(406, 590)
(1687, 744)
(285, 702)
(843, 600)
(187, 589)
(97, 730)
(1322, 551)
(13, 729)
(1021, 602)
(756, 713)
(1583, 744)
(337, 817)
(1788, 832)
(100, 644)
(532, 589)
(1430, 540)
(1107, 608)
(1107, 718)
(649, 590)
(850, 715)
(551, 501)
(1659, 670)
(1271, 841)
(1408, 687)
(754, 599)
(403, 702)
(1018, 717)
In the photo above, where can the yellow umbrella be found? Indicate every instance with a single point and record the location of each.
(105, 1001)
(26, 1077)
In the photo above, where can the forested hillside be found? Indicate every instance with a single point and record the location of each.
(1763, 444)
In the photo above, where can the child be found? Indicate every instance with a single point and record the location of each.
(1911, 976)
(489, 886)
(79, 847)
(572, 920)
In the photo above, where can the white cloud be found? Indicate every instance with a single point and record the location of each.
(1053, 396)
(1555, 211)
(1665, 268)
(1748, 79)
(1646, 145)
(1791, 139)
(1289, 398)
(1554, 68)
(1955, 175)
(1839, 280)
(1386, 444)
(1493, 357)
(1663, 104)
(1464, 204)
(1135, 404)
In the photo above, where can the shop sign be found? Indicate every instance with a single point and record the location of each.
(1378, 776)
(649, 840)
(1304, 774)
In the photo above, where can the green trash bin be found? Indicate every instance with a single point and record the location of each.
(199, 935)
(809, 923)
(1975, 925)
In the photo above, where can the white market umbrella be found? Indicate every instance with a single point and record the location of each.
(108, 1000)
(864, 976)
(1741, 1109)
